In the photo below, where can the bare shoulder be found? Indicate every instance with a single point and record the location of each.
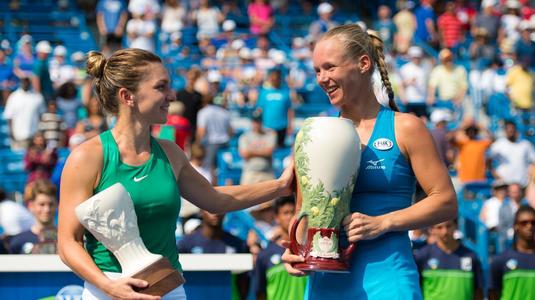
(86, 160)
(410, 131)
(176, 156)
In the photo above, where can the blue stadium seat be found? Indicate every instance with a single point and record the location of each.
(278, 159)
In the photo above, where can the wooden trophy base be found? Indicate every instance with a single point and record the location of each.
(161, 276)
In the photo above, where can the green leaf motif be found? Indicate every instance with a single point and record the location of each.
(327, 215)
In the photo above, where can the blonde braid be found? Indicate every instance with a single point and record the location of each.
(381, 66)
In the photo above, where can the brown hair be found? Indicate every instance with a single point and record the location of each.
(40, 186)
(122, 69)
(357, 42)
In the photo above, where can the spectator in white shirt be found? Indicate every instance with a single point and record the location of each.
(413, 85)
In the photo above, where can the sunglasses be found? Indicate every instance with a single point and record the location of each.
(526, 222)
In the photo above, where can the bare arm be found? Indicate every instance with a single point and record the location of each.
(441, 203)
(417, 144)
(195, 188)
(100, 24)
(78, 180)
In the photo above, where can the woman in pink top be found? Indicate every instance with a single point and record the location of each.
(261, 16)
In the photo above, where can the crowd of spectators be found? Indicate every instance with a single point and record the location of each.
(464, 67)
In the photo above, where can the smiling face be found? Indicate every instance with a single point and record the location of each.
(154, 94)
(43, 207)
(337, 74)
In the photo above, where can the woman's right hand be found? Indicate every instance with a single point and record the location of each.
(288, 258)
(123, 288)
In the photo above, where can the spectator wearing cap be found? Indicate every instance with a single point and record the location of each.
(213, 122)
(481, 51)
(260, 16)
(488, 20)
(385, 26)
(441, 134)
(7, 77)
(256, 148)
(207, 18)
(413, 85)
(111, 21)
(324, 23)
(510, 21)
(450, 28)
(489, 213)
(405, 26)
(61, 71)
(41, 79)
(24, 61)
(449, 81)
(22, 111)
(525, 46)
(173, 16)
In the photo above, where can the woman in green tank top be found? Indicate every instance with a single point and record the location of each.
(134, 85)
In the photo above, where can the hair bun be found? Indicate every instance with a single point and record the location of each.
(96, 62)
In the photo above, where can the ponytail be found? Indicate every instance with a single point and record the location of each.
(378, 45)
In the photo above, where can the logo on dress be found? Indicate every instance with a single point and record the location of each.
(140, 178)
(383, 144)
(466, 263)
(375, 164)
(512, 264)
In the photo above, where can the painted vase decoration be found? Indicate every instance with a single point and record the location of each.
(327, 159)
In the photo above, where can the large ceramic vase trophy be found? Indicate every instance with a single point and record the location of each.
(327, 159)
(111, 219)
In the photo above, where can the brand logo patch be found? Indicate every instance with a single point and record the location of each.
(466, 263)
(140, 178)
(383, 144)
(375, 165)
(433, 263)
(512, 264)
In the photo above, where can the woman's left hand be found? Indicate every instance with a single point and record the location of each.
(363, 227)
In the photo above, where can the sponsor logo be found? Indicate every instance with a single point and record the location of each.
(383, 144)
(275, 259)
(375, 165)
(466, 263)
(140, 178)
(512, 264)
(433, 263)
(70, 292)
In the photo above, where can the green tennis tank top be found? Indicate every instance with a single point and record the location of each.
(154, 191)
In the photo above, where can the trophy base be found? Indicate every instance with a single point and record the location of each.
(318, 264)
(161, 276)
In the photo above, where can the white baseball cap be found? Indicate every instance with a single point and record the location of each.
(415, 52)
(26, 39)
(440, 115)
(60, 50)
(229, 25)
(43, 47)
(488, 3)
(213, 76)
(325, 8)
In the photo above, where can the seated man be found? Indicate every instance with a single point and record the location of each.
(448, 269)
(512, 274)
(42, 236)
